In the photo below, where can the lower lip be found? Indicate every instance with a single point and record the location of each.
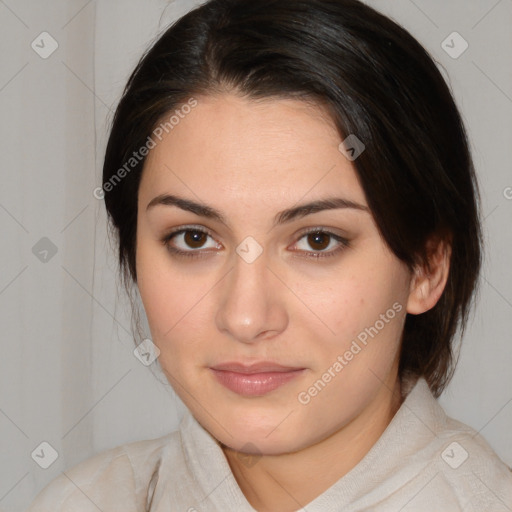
(254, 384)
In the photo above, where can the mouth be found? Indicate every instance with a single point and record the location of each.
(256, 379)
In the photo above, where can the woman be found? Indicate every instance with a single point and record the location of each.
(293, 195)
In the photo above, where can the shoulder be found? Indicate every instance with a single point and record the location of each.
(117, 479)
(449, 458)
(472, 469)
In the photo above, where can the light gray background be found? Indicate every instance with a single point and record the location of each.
(68, 375)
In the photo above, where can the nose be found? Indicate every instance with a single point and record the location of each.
(251, 307)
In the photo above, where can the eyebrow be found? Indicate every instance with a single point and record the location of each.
(282, 217)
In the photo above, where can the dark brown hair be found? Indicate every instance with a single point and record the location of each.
(378, 83)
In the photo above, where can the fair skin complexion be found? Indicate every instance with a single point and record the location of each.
(250, 160)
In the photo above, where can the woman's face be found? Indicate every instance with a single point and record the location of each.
(277, 323)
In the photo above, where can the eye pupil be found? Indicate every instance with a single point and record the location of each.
(319, 239)
(195, 239)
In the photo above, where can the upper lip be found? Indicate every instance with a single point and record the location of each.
(259, 367)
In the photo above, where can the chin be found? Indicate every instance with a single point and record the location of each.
(257, 430)
(246, 442)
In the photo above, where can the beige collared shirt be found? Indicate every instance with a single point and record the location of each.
(423, 462)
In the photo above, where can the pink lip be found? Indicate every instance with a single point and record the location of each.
(256, 379)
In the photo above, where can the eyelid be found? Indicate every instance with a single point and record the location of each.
(188, 227)
(322, 229)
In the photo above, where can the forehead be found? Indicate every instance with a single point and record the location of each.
(228, 147)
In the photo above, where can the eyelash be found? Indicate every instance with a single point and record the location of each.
(343, 243)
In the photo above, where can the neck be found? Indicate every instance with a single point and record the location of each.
(284, 482)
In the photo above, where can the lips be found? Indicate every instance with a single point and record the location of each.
(256, 379)
(259, 367)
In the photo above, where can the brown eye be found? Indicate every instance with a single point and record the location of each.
(195, 239)
(319, 241)
(190, 242)
(320, 244)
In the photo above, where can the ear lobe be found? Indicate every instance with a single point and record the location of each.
(429, 281)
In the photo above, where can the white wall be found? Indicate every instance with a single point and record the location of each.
(67, 372)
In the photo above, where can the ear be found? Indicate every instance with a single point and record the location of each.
(429, 280)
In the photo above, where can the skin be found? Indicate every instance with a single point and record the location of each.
(250, 160)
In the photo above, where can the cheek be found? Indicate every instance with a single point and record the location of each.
(164, 292)
(367, 315)
(366, 311)
(369, 296)
(178, 308)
